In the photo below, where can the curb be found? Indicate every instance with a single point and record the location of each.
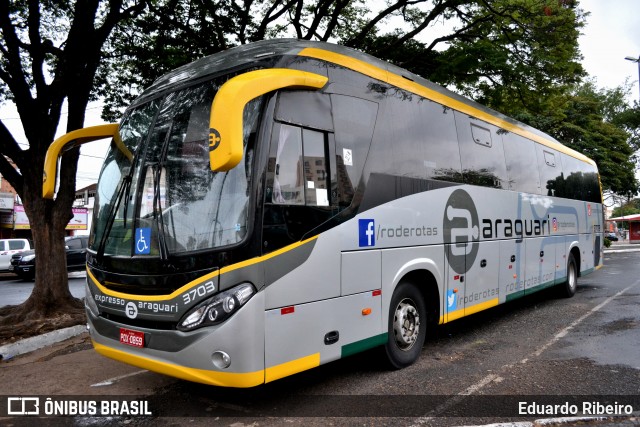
(28, 345)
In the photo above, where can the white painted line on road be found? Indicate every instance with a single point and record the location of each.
(114, 380)
(480, 385)
(495, 378)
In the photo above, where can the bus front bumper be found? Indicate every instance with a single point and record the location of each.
(194, 356)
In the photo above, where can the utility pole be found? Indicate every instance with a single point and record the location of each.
(637, 61)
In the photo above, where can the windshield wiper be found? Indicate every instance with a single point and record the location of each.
(124, 188)
(157, 199)
(157, 212)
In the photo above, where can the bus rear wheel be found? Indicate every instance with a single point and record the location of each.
(568, 288)
(407, 326)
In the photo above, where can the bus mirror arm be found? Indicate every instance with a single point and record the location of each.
(227, 109)
(67, 142)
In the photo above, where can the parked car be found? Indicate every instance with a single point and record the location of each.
(24, 263)
(611, 236)
(10, 247)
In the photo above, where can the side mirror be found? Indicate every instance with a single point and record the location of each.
(65, 143)
(227, 109)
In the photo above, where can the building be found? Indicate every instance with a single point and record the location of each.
(15, 224)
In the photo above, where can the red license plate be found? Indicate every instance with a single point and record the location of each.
(132, 338)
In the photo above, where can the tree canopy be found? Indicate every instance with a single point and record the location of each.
(501, 53)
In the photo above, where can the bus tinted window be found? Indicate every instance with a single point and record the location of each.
(550, 168)
(416, 139)
(437, 126)
(300, 169)
(287, 181)
(315, 168)
(354, 120)
(481, 152)
(521, 170)
(304, 108)
(580, 180)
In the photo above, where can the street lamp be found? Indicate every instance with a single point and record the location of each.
(637, 61)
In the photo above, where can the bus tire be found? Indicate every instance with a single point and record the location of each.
(407, 326)
(568, 288)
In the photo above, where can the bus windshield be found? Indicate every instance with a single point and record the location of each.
(156, 194)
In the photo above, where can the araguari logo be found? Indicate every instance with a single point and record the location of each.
(461, 231)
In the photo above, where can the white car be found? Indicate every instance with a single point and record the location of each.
(8, 247)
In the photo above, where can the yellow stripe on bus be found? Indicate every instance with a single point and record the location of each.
(467, 311)
(293, 367)
(199, 280)
(217, 378)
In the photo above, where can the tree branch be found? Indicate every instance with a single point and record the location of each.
(9, 147)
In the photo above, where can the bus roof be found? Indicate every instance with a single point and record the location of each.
(245, 55)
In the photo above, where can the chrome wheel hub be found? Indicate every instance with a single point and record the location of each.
(406, 324)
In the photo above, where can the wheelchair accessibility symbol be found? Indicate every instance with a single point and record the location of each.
(143, 238)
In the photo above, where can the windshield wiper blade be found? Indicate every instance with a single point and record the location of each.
(157, 213)
(157, 198)
(124, 188)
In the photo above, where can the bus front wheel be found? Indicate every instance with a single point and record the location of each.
(407, 326)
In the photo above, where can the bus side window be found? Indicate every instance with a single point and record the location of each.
(298, 195)
(550, 167)
(481, 152)
(523, 173)
(316, 174)
(287, 178)
(580, 180)
(354, 120)
(300, 173)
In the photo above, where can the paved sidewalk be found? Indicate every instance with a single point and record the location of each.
(622, 246)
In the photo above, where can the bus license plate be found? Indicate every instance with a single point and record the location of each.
(132, 338)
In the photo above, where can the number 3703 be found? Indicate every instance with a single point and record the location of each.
(199, 291)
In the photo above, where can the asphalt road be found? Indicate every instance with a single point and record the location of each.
(14, 291)
(473, 371)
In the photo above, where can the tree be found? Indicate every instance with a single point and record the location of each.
(50, 52)
(590, 120)
(629, 208)
(493, 51)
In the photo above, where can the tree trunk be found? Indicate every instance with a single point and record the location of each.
(51, 305)
(51, 296)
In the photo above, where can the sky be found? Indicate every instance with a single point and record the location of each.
(611, 34)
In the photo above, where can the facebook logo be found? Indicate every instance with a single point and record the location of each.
(367, 232)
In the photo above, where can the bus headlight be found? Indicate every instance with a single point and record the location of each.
(218, 308)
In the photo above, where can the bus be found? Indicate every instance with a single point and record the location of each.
(284, 204)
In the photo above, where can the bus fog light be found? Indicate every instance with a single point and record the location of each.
(221, 360)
